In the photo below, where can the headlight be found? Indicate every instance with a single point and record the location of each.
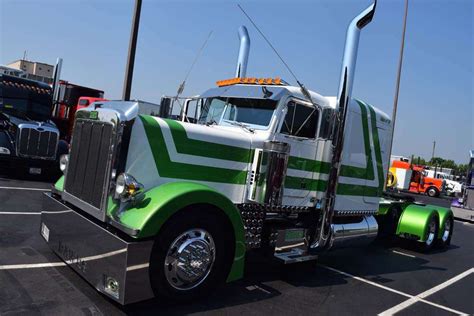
(127, 187)
(63, 161)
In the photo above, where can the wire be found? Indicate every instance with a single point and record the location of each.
(268, 42)
(303, 88)
(198, 55)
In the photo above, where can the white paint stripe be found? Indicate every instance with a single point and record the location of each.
(403, 254)
(412, 299)
(35, 213)
(32, 265)
(366, 281)
(419, 297)
(60, 264)
(57, 212)
(443, 307)
(20, 213)
(27, 189)
(138, 266)
(446, 284)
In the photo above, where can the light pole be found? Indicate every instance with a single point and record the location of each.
(127, 83)
(397, 86)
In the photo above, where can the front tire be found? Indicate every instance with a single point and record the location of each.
(191, 255)
(432, 192)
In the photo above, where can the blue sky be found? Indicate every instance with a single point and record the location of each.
(436, 93)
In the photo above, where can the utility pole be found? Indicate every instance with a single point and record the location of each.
(127, 84)
(397, 86)
(433, 153)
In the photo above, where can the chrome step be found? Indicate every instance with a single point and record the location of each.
(294, 255)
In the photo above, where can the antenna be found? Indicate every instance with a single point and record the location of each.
(302, 87)
(181, 86)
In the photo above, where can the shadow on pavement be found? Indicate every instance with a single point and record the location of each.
(372, 262)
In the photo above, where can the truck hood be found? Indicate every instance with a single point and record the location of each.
(163, 150)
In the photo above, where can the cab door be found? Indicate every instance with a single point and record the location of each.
(299, 129)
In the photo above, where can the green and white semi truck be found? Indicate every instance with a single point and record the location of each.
(150, 206)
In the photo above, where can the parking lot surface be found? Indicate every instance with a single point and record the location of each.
(384, 278)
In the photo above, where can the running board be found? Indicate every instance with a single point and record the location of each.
(294, 255)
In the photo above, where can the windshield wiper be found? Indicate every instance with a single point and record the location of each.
(211, 122)
(244, 126)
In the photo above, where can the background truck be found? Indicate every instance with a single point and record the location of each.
(464, 207)
(410, 177)
(151, 206)
(29, 140)
(70, 98)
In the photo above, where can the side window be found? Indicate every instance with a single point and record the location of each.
(300, 120)
(327, 120)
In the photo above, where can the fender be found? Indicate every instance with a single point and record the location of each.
(414, 220)
(160, 203)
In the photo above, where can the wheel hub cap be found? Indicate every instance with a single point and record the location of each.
(431, 233)
(189, 259)
(447, 229)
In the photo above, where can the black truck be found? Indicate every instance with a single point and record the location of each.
(29, 140)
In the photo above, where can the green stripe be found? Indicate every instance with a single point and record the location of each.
(186, 145)
(362, 190)
(378, 151)
(169, 169)
(358, 190)
(366, 173)
(304, 164)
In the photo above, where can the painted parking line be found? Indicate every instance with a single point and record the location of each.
(20, 213)
(35, 213)
(23, 188)
(32, 265)
(403, 254)
(411, 297)
(420, 297)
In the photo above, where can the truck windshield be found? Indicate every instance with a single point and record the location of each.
(255, 113)
(25, 98)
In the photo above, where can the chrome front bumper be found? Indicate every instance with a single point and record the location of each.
(114, 266)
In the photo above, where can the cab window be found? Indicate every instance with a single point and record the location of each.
(327, 120)
(300, 121)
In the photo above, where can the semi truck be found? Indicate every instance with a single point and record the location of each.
(412, 178)
(151, 206)
(463, 207)
(29, 140)
(69, 99)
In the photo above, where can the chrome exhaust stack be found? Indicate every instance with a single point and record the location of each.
(244, 50)
(343, 98)
(56, 78)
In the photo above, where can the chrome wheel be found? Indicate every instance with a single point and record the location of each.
(447, 231)
(189, 259)
(431, 233)
(432, 192)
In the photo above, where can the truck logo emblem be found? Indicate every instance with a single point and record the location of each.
(93, 115)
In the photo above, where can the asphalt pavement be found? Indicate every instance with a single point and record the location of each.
(385, 277)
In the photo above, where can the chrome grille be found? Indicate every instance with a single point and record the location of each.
(89, 164)
(36, 141)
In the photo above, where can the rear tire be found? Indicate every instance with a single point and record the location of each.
(192, 254)
(432, 192)
(431, 234)
(447, 233)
